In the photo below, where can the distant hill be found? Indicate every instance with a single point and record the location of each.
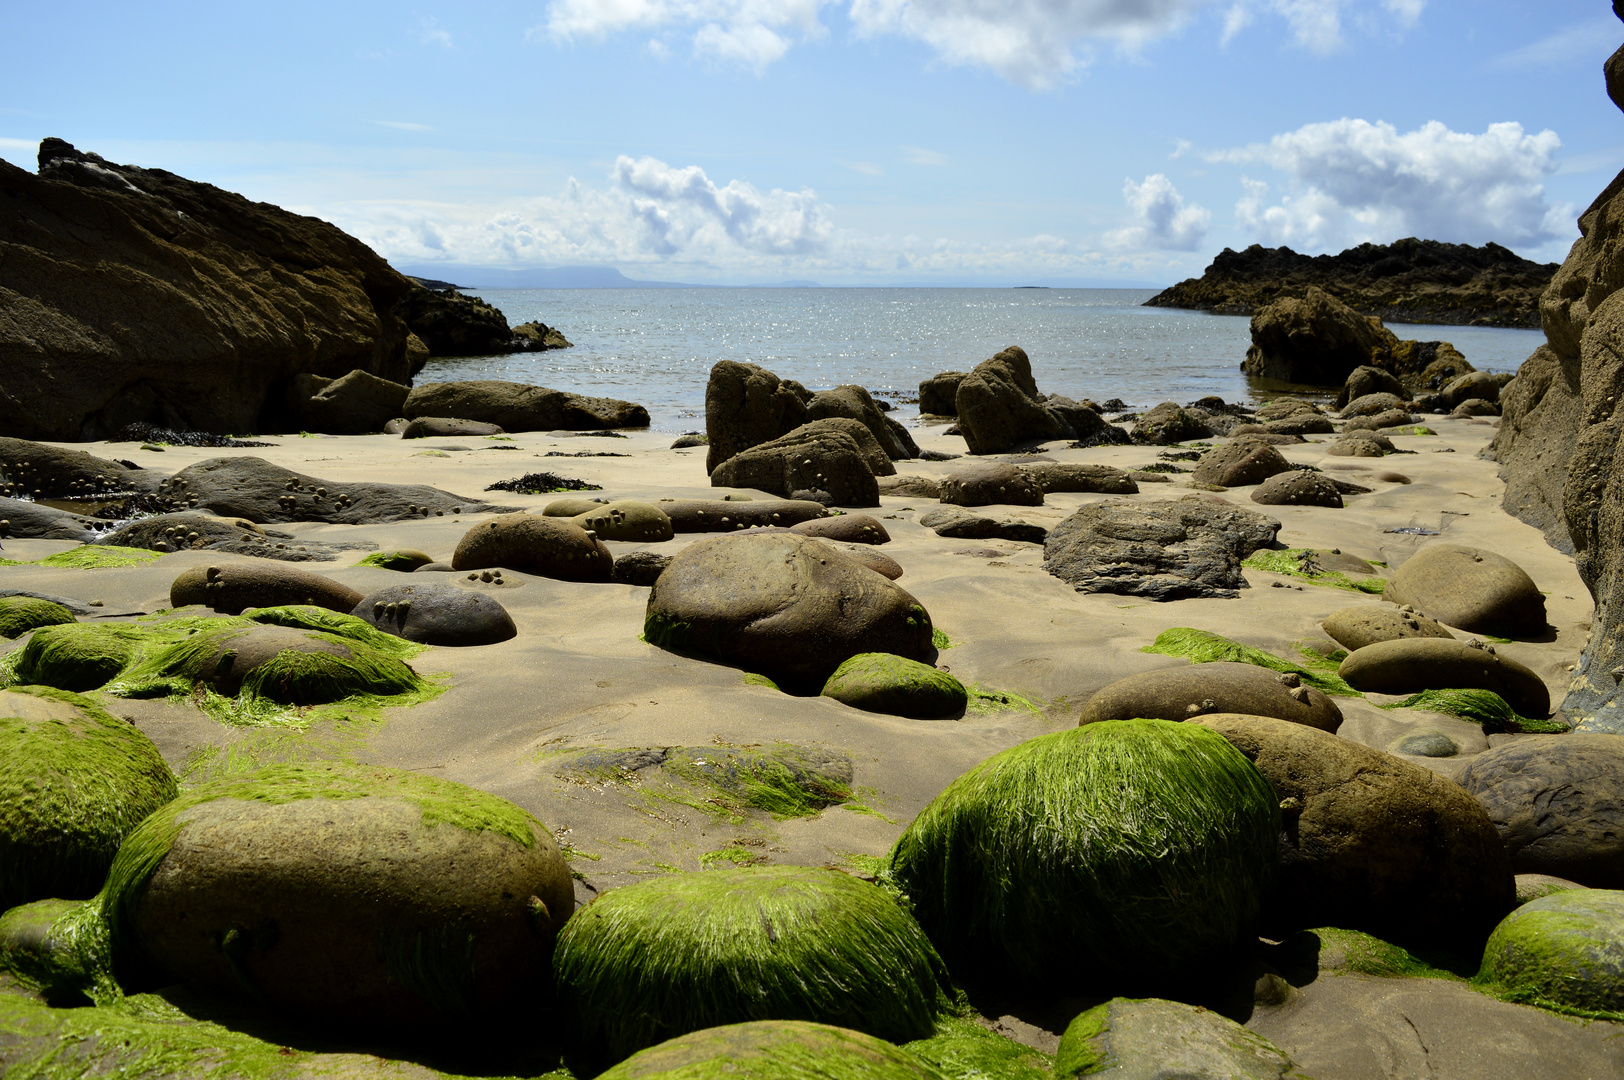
(563, 277)
(1418, 281)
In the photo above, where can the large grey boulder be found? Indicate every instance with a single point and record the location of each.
(723, 515)
(1558, 801)
(437, 615)
(1367, 379)
(534, 544)
(229, 587)
(1162, 550)
(1479, 591)
(999, 408)
(855, 403)
(1241, 462)
(356, 403)
(1184, 693)
(991, 483)
(1298, 487)
(938, 395)
(823, 461)
(1057, 476)
(786, 606)
(1317, 340)
(1154, 1039)
(1365, 624)
(254, 489)
(521, 407)
(1170, 423)
(746, 405)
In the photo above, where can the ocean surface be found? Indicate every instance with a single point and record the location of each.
(656, 346)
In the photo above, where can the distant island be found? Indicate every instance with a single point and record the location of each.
(1407, 281)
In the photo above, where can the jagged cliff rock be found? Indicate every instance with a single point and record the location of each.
(131, 294)
(1410, 280)
(1561, 444)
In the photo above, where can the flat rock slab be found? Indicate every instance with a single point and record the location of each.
(1171, 549)
(959, 524)
(35, 521)
(727, 515)
(253, 488)
(205, 532)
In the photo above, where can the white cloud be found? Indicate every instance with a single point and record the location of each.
(1161, 218)
(915, 155)
(1352, 181)
(752, 33)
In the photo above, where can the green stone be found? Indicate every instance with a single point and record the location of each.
(887, 683)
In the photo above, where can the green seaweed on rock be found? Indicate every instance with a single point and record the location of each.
(76, 656)
(1204, 647)
(1563, 952)
(100, 556)
(774, 1050)
(1290, 563)
(1483, 707)
(964, 1050)
(20, 614)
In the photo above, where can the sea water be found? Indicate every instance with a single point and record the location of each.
(656, 346)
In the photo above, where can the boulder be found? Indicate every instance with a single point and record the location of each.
(451, 323)
(855, 403)
(959, 524)
(850, 528)
(254, 489)
(229, 587)
(1372, 404)
(999, 407)
(865, 555)
(1427, 365)
(1479, 591)
(1154, 1039)
(1282, 407)
(1055, 476)
(536, 336)
(532, 544)
(1534, 886)
(689, 441)
(1558, 801)
(1184, 693)
(401, 560)
(1239, 463)
(366, 895)
(1169, 424)
(1365, 624)
(639, 568)
(884, 683)
(1389, 418)
(1296, 424)
(73, 782)
(1317, 340)
(938, 395)
(135, 295)
(77, 656)
(1168, 549)
(991, 483)
(357, 403)
(1128, 854)
(773, 1050)
(571, 508)
(626, 519)
(1298, 487)
(1475, 384)
(1374, 843)
(1474, 407)
(1410, 665)
(1358, 443)
(791, 942)
(174, 532)
(787, 606)
(747, 405)
(1564, 951)
(437, 615)
(723, 515)
(916, 487)
(23, 520)
(20, 614)
(37, 469)
(822, 461)
(427, 427)
(1428, 744)
(521, 407)
(1367, 379)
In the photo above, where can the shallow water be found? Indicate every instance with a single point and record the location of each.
(656, 346)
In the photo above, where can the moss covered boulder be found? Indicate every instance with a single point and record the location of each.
(1124, 854)
(1413, 664)
(75, 656)
(1184, 693)
(534, 544)
(73, 782)
(403, 560)
(57, 948)
(230, 587)
(884, 683)
(790, 607)
(20, 614)
(1564, 951)
(774, 1050)
(342, 892)
(1154, 1039)
(1373, 842)
(658, 959)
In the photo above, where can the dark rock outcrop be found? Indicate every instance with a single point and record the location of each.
(521, 407)
(1406, 281)
(747, 405)
(1315, 339)
(938, 394)
(452, 324)
(134, 295)
(855, 403)
(823, 461)
(253, 488)
(999, 408)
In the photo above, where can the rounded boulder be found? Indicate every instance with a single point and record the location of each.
(1372, 842)
(845, 528)
(20, 614)
(883, 683)
(78, 656)
(774, 1050)
(1182, 693)
(1240, 463)
(1365, 624)
(437, 615)
(73, 782)
(1410, 665)
(534, 544)
(1129, 854)
(1478, 591)
(790, 607)
(1563, 951)
(1558, 802)
(989, 484)
(230, 587)
(627, 520)
(1299, 487)
(341, 892)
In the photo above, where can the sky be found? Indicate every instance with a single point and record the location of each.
(848, 142)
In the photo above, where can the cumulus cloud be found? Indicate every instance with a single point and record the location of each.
(1352, 181)
(1034, 43)
(1161, 218)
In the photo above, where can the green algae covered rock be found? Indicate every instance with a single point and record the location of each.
(1149, 1039)
(58, 948)
(1124, 853)
(73, 782)
(886, 683)
(75, 656)
(774, 1050)
(20, 614)
(965, 1050)
(404, 560)
(342, 892)
(662, 958)
(1564, 951)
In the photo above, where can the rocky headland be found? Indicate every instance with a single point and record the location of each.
(1419, 281)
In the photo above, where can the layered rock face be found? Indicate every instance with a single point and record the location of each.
(131, 294)
(1405, 281)
(1561, 435)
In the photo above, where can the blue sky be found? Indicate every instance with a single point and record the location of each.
(849, 141)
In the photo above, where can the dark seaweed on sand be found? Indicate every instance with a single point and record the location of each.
(540, 483)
